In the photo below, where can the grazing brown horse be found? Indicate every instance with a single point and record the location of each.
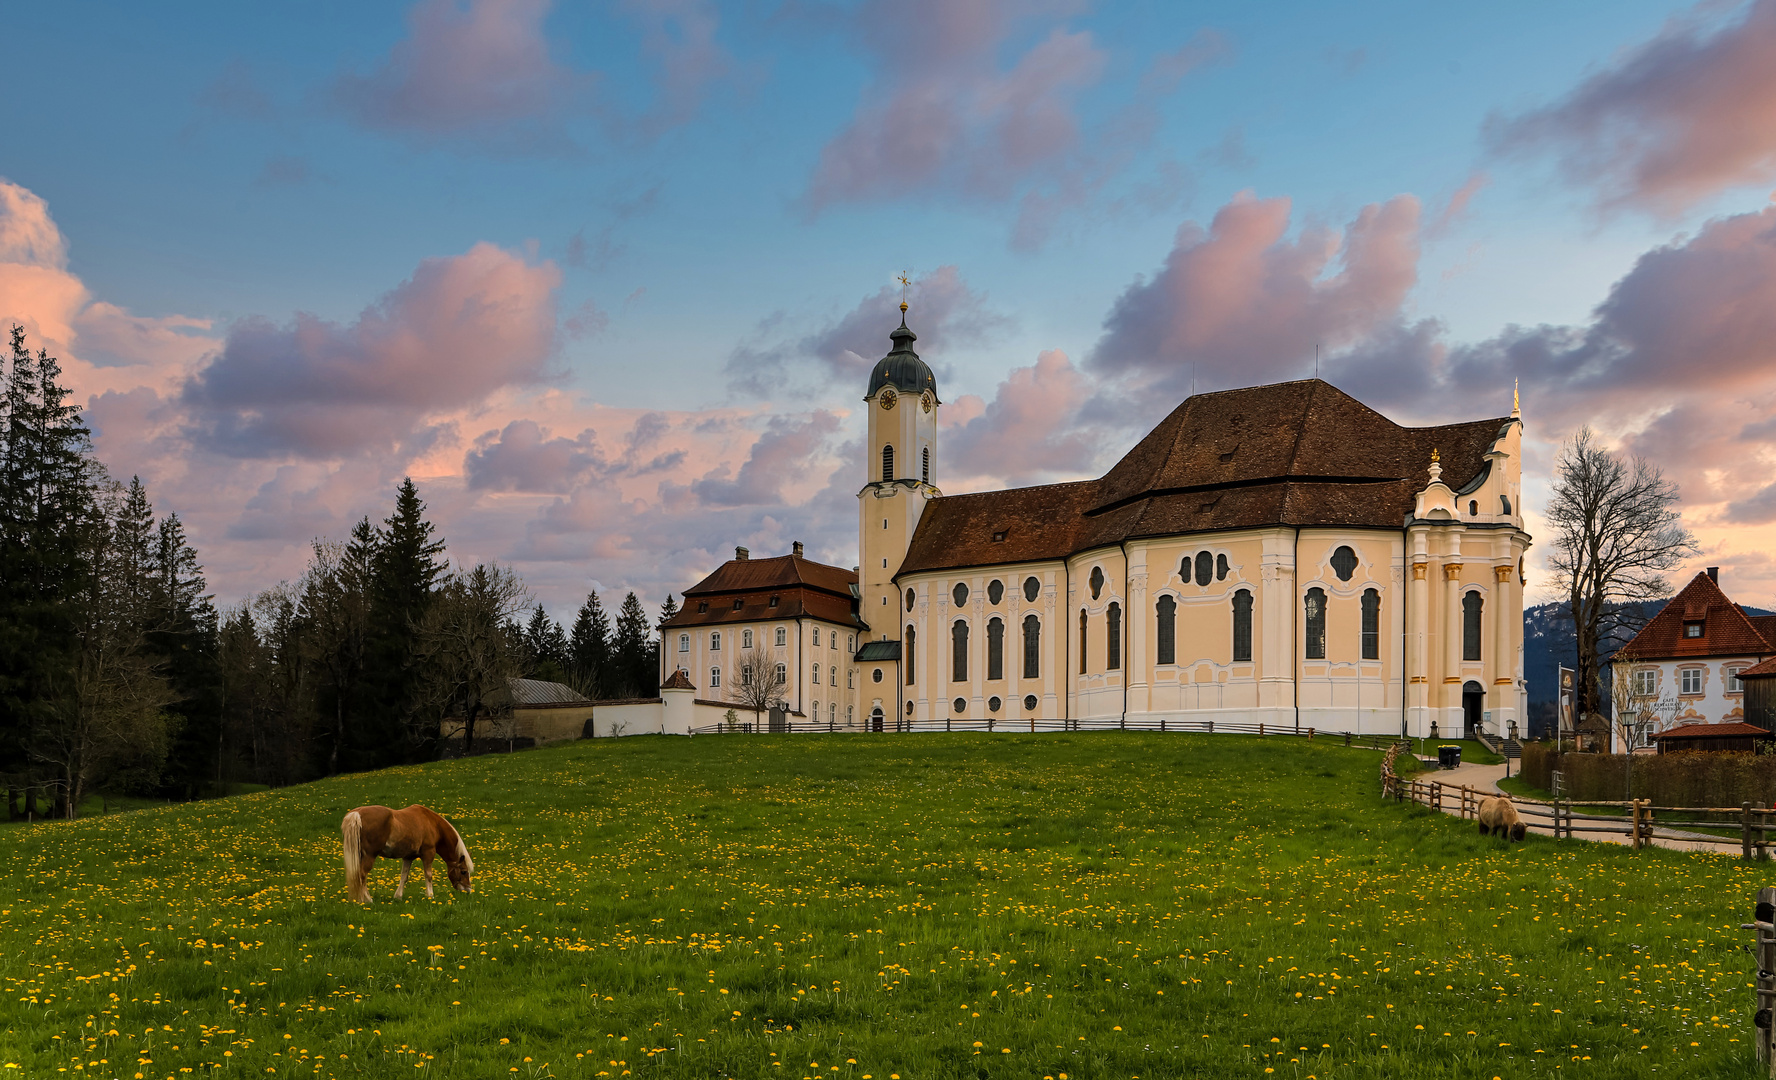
(1498, 817)
(411, 833)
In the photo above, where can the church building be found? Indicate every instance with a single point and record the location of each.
(1278, 554)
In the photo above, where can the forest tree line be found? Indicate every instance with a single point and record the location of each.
(118, 673)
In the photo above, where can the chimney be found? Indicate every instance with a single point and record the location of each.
(741, 554)
(795, 548)
(1714, 574)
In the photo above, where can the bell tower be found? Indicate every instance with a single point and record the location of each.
(900, 475)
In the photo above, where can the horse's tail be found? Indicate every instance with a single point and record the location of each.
(352, 832)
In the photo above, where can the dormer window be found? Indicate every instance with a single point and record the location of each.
(738, 603)
(1692, 629)
(999, 537)
(702, 607)
(773, 600)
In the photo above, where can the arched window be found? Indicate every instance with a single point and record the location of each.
(925, 465)
(887, 462)
(1371, 625)
(1032, 588)
(832, 713)
(909, 599)
(746, 639)
(1097, 581)
(1205, 567)
(684, 643)
(1221, 568)
(1344, 563)
(1506, 500)
(814, 711)
(832, 675)
(1082, 628)
(959, 594)
(816, 674)
(1032, 647)
(782, 636)
(1471, 626)
(912, 643)
(1165, 640)
(1315, 628)
(1473, 507)
(715, 677)
(817, 637)
(781, 674)
(1242, 626)
(745, 674)
(849, 714)
(995, 648)
(850, 678)
(995, 591)
(959, 652)
(1113, 638)
(715, 641)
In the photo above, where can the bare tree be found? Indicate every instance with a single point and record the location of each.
(1637, 718)
(759, 686)
(465, 650)
(1617, 532)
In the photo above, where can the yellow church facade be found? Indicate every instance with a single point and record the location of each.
(1280, 554)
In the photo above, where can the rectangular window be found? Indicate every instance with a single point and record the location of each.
(1692, 629)
(1734, 686)
(1690, 680)
(715, 677)
(1646, 682)
(1371, 624)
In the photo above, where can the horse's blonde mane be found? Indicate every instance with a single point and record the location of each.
(462, 846)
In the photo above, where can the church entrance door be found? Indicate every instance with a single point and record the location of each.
(1473, 697)
(876, 718)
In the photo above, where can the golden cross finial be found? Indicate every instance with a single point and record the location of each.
(906, 282)
(1516, 404)
(1435, 457)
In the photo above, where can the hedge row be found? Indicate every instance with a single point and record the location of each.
(1685, 779)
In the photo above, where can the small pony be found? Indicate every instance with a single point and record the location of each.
(407, 834)
(1498, 817)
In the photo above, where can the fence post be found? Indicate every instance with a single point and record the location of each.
(1261, 729)
(1211, 723)
(1759, 849)
(1634, 815)
(1310, 734)
(1347, 738)
(1762, 916)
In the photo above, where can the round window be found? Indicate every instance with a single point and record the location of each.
(1030, 702)
(993, 704)
(909, 599)
(876, 675)
(959, 594)
(995, 591)
(959, 706)
(1031, 588)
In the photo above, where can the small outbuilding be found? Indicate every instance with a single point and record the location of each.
(1736, 736)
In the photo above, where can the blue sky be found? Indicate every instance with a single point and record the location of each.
(695, 208)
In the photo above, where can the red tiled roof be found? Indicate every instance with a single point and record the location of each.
(1726, 630)
(678, 681)
(1707, 731)
(1763, 670)
(802, 588)
(781, 572)
(1766, 626)
(1300, 453)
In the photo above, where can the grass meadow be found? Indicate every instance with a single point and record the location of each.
(901, 907)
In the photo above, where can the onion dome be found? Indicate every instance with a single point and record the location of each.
(902, 368)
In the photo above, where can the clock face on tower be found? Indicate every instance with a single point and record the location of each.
(887, 399)
(925, 401)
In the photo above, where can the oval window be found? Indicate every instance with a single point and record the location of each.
(1097, 581)
(960, 594)
(993, 704)
(1221, 568)
(876, 675)
(909, 708)
(1205, 567)
(909, 599)
(1032, 588)
(1344, 563)
(995, 591)
(959, 706)
(1030, 701)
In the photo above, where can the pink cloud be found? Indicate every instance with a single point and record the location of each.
(1686, 115)
(463, 69)
(1242, 303)
(461, 328)
(1030, 433)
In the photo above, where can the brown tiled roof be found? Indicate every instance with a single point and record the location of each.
(1300, 453)
(1726, 630)
(1765, 625)
(802, 588)
(678, 681)
(1705, 731)
(1765, 669)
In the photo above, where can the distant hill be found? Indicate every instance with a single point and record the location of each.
(1548, 642)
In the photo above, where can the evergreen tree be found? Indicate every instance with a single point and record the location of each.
(405, 572)
(545, 643)
(47, 490)
(637, 672)
(182, 634)
(134, 555)
(589, 666)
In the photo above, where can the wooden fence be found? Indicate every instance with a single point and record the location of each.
(1754, 822)
(994, 725)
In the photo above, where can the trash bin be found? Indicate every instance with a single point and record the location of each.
(1449, 757)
